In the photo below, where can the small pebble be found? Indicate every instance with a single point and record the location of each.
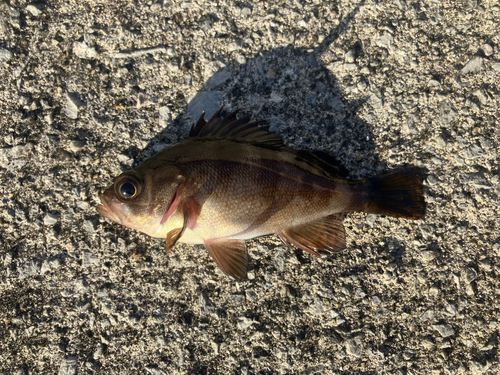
(69, 365)
(125, 159)
(350, 56)
(15, 17)
(5, 55)
(436, 160)
(35, 12)
(459, 160)
(487, 49)
(447, 112)
(82, 205)
(428, 256)
(245, 12)
(355, 346)
(318, 308)
(88, 226)
(440, 142)
(171, 52)
(408, 354)
(385, 40)
(216, 73)
(50, 219)
(433, 83)
(173, 66)
(477, 368)
(76, 145)
(450, 309)
(428, 343)
(474, 65)
(251, 295)
(428, 315)
(472, 152)
(240, 59)
(280, 260)
(422, 276)
(350, 67)
(275, 98)
(362, 85)
(432, 180)
(485, 264)
(445, 330)
(142, 101)
(371, 219)
(89, 259)
(470, 275)
(375, 101)
(481, 96)
(73, 104)
(28, 269)
(165, 117)
(206, 305)
(84, 51)
(244, 323)
(236, 45)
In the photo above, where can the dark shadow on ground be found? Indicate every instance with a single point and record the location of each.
(292, 92)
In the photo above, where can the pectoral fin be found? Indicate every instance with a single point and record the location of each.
(326, 234)
(191, 211)
(231, 256)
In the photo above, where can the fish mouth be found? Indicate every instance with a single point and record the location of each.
(105, 209)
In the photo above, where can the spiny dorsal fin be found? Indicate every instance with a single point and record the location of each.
(242, 130)
(230, 127)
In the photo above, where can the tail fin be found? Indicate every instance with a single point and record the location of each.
(398, 194)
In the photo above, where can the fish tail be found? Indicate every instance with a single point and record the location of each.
(398, 194)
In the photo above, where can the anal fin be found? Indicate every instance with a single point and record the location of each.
(230, 255)
(323, 235)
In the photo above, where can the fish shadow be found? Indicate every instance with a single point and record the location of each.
(296, 95)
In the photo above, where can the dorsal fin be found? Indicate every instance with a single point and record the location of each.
(244, 131)
(231, 127)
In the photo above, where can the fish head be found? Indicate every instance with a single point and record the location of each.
(139, 199)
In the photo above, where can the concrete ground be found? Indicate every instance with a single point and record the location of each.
(90, 88)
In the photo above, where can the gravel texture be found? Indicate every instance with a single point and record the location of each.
(91, 88)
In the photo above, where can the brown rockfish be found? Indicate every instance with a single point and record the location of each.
(233, 180)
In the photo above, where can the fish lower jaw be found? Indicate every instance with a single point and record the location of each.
(107, 213)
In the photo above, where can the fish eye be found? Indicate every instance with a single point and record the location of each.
(128, 190)
(127, 187)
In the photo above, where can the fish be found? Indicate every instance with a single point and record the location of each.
(233, 180)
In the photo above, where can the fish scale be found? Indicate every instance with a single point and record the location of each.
(249, 185)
